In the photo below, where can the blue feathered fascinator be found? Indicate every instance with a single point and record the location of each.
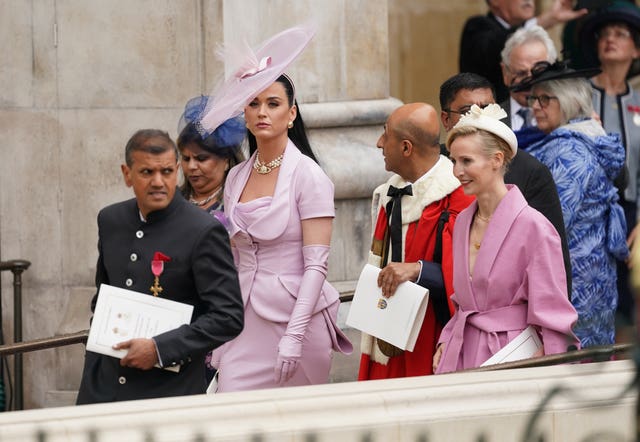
(225, 140)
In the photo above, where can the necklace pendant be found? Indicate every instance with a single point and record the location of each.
(263, 169)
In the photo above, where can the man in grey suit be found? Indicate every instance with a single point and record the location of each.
(198, 269)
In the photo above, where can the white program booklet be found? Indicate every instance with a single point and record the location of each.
(122, 314)
(523, 346)
(396, 320)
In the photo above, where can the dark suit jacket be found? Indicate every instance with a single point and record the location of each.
(506, 105)
(201, 273)
(536, 184)
(483, 38)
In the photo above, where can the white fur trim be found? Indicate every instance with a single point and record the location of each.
(431, 187)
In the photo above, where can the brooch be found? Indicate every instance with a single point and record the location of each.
(636, 113)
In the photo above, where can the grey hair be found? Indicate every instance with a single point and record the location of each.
(527, 35)
(574, 97)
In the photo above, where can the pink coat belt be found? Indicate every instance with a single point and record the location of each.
(503, 319)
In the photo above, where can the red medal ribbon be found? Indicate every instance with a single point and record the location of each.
(157, 264)
(634, 109)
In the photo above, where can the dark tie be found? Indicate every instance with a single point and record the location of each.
(525, 113)
(394, 207)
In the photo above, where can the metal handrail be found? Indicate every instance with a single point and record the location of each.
(17, 267)
(45, 343)
(592, 354)
(600, 353)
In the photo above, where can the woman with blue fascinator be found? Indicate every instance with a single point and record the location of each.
(280, 208)
(206, 160)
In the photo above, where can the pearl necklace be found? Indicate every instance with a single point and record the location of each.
(207, 199)
(265, 168)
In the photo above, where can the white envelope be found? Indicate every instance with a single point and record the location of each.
(523, 346)
(122, 314)
(396, 320)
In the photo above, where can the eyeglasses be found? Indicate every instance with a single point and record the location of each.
(464, 109)
(542, 99)
(617, 33)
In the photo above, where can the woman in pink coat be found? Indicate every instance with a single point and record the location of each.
(507, 269)
(280, 209)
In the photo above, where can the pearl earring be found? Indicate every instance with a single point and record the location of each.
(290, 124)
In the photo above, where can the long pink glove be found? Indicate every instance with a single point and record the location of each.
(290, 347)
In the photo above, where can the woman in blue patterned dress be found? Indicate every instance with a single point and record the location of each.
(584, 161)
(610, 37)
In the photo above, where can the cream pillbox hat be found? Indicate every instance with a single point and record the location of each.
(488, 118)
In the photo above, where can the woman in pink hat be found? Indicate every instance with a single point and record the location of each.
(280, 209)
(508, 272)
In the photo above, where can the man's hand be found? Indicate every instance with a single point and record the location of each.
(394, 274)
(142, 353)
(561, 12)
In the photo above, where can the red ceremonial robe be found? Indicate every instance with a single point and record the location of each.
(432, 193)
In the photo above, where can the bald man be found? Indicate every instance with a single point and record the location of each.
(414, 211)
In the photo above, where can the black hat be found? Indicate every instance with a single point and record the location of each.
(544, 71)
(620, 11)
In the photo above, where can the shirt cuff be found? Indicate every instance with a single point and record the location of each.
(419, 273)
(155, 344)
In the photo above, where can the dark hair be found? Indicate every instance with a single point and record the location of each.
(297, 133)
(139, 142)
(464, 80)
(190, 135)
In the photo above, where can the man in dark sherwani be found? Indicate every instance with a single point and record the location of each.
(198, 269)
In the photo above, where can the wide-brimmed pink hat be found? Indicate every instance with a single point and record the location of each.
(254, 71)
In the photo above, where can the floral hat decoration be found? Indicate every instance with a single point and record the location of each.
(488, 118)
(253, 72)
(224, 141)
